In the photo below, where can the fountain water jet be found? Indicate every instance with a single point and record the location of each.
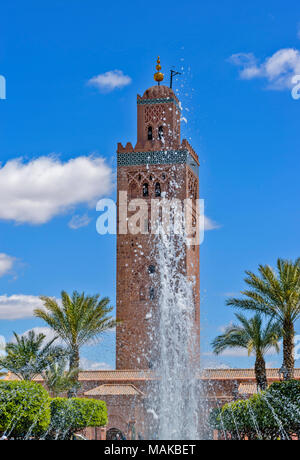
(174, 398)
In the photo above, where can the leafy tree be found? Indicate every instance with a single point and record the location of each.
(284, 398)
(29, 356)
(77, 321)
(57, 379)
(270, 415)
(73, 414)
(24, 409)
(251, 335)
(276, 294)
(27, 411)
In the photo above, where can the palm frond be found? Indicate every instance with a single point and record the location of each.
(272, 293)
(78, 320)
(250, 334)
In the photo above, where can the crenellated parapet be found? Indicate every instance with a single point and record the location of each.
(127, 149)
(187, 146)
(155, 94)
(154, 153)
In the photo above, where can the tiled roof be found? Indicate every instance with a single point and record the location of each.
(10, 376)
(117, 389)
(142, 375)
(101, 375)
(116, 375)
(240, 374)
(247, 388)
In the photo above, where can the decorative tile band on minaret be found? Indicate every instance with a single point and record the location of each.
(160, 157)
(166, 100)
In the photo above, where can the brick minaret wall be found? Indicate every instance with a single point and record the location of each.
(159, 157)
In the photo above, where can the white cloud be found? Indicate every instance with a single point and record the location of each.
(18, 306)
(6, 264)
(230, 352)
(78, 221)
(241, 352)
(238, 352)
(36, 191)
(213, 362)
(243, 59)
(210, 224)
(217, 366)
(271, 364)
(2, 345)
(277, 69)
(110, 80)
(87, 364)
(47, 331)
(223, 328)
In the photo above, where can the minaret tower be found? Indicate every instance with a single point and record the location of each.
(149, 170)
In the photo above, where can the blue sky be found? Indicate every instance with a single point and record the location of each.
(236, 62)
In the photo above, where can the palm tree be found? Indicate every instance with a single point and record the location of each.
(28, 356)
(251, 334)
(57, 379)
(77, 321)
(276, 294)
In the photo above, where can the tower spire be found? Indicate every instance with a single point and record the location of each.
(158, 76)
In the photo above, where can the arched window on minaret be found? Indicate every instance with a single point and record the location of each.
(145, 189)
(142, 294)
(152, 293)
(151, 269)
(150, 134)
(157, 189)
(133, 190)
(161, 132)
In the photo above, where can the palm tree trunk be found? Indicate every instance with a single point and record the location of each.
(288, 350)
(74, 368)
(260, 372)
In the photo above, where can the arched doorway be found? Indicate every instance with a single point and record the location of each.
(113, 434)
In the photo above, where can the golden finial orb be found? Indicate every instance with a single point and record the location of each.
(158, 76)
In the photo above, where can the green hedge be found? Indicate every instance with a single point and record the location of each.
(24, 409)
(271, 414)
(70, 415)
